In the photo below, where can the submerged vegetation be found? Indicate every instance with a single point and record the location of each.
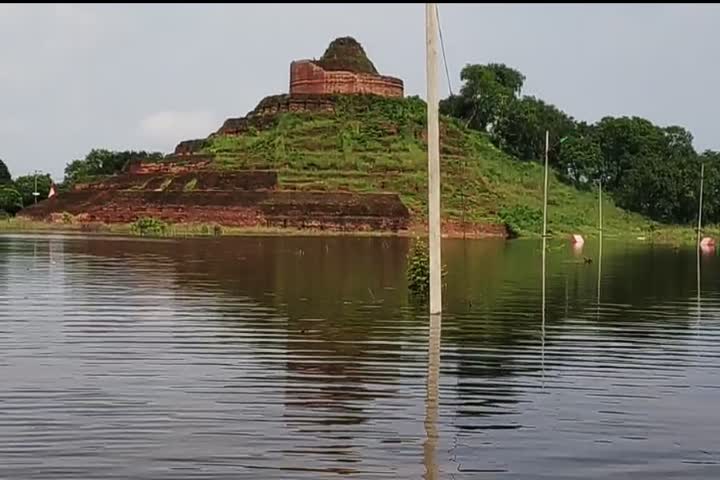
(418, 270)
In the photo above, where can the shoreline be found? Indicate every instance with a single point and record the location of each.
(670, 235)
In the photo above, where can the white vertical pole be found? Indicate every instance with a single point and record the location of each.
(545, 196)
(432, 400)
(542, 332)
(702, 178)
(433, 159)
(600, 207)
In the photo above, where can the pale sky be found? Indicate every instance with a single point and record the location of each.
(77, 77)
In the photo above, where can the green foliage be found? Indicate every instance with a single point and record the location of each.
(646, 168)
(521, 219)
(148, 226)
(101, 162)
(521, 132)
(580, 161)
(10, 200)
(5, 176)
(375, 144)
(190, 186)
(485, 97)
(346, 53)
(418, 270)
(26, 186)
(214, 229)
(67, 218)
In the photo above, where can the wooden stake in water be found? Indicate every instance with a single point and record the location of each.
(545, 196)
(702, 178)
(433, 101)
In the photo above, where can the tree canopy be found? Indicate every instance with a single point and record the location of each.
(4, 173)
(647, 168)
(25, 185)
(101, 162)
(10, 200)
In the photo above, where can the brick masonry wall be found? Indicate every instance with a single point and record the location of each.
(308, 78)
(324, 210)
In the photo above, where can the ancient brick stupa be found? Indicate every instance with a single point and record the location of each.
(230, 179)
(344, 68)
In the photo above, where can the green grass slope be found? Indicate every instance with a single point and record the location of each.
(373, 144)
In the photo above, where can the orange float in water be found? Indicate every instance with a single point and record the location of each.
(707, 245)
(577, 243)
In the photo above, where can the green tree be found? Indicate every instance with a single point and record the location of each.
(101, 162)
(625, 141)
(580, 160)
(4, 173)
(26, 186)
(485, 96)
(660, 189)
(10, 200)
(522, 132)
(711, 193)
(648, 169)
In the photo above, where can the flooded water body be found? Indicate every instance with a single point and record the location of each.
(304, 358)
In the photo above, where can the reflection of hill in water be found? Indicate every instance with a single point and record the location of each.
(351, 337)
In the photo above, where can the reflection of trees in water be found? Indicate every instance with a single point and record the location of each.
(342, 314)
(341, 297)
(497, 331)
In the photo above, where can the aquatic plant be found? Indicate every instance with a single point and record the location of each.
(418, 270)
(149, 226)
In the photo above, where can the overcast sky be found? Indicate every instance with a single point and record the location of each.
(77, 77)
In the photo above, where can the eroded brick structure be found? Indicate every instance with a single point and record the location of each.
(306, 77)
(343, 69)
(188, 186)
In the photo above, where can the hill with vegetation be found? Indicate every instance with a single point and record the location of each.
(492, 145)
(373, 144)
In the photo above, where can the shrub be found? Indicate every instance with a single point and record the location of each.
(190, 186)
(418, 270)
(10, 200)
(520, 219)
(149, 227)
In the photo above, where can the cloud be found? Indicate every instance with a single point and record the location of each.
(11, 126)
(174, 126)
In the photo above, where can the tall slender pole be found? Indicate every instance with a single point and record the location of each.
(432, 400)
(431, 30)
(545, 195)
(542, 327)
(702, 179)
(600, 207)
(35, 192)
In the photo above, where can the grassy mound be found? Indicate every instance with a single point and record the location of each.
(346, 53)
(373, 144)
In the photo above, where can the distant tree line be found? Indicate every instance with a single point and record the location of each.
(18, 193)
(648, 169)
(100, 163)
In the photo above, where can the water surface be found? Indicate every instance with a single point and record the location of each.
(304, 358)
